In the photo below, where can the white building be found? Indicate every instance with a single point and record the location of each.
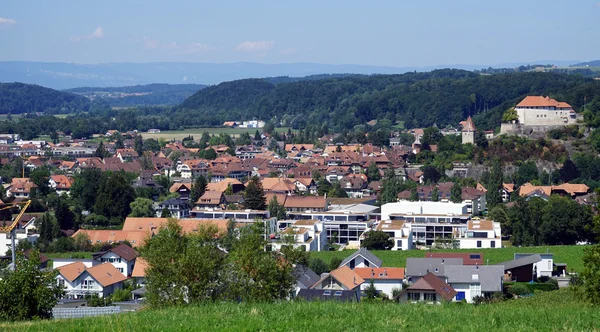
(122, 257)
(79, 280)
(26, 232)
(543, 267)
(308, 234)
(480, 234)
(399, 231)
(544, 111)
(385, 279)
(422, 208)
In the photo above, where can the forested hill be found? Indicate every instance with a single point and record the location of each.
(148, 95)
(16, 98)
(444, 97)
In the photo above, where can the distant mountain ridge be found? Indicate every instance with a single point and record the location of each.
(594, 63)
(60, 75)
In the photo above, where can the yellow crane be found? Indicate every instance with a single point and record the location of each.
(13, 226)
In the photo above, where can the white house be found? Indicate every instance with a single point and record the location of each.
(399, 231)
(470, 281)
(480, 234)
(543, 267)
(361, 258)
(544, 111)
(422, 208)
(385, 279)
(122, 257)
(79, 281)
(177, 207)
(26, 232)
(309, 234)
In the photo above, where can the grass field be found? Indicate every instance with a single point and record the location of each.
(197, 132)
(562, 254)
(551, 311)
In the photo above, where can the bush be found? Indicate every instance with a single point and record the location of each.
(519, 289)
(318, 266)
(120, 295)
(334, 263)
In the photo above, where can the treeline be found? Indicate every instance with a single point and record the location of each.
(153, 94)
(444, 97)
(17, 98)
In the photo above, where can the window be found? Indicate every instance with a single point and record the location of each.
(493, 244)
(478, 244)
(550, 265)
(366, 263)
(399, 244)
(475, 256)
(327, 293)
(430, 297)
(120, 269)
(338, 293)
(414, 296)
(61, 283)
(352, 264)
(475, 289)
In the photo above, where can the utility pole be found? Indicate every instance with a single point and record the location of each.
(13, 235)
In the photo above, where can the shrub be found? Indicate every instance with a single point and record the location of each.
(519, 289)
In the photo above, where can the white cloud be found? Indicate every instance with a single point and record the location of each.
(200, 48)
(288, 51)
(7, 21)
(97, 34)
(257, 46)
(150, 44)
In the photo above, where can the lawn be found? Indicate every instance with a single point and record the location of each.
(558, 310)
(78, 255)
(197, 132)
(562, 254)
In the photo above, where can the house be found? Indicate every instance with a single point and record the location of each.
(507, 190)
(342, 278)
(521, 269)
(127, 154)
(354, 185)
(307, 234)
(123, 257)
(566, 189)
(418, 267)
(278, 186)
(468, 258)
(139, 271)
(544, 111)
(298, 147)
(235, 185)
(305, 185)
(328, 295)
(79, 280)
(134, 237)
(305, 203)
(305, 278)
(231, 124)
(470, 281)
(211, 199)
(361, 258)
(428, 289)
(178, 208)
(20, 188)
(399, 231)
(543, 268)
(60, 183)
(385, 279)
(481, 234)
(183, 189)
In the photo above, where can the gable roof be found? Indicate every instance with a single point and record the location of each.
(364, 253)
(136, 238)
(526, 260)
(488, 276)
(72, 271)
(305, 276)
(308, 202)
(541, 101)
(122, 250)
(430, 282)
(422, 266)
(106, 274)
(139, 269)
(347, 277)
(380, 273)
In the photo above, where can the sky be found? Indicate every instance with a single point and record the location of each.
(398, 33)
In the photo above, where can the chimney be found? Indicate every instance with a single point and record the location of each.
(372, 273)
(385, 272)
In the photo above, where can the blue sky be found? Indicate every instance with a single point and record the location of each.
(393, 33)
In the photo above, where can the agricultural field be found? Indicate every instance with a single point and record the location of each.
(546, 311)
(562, 254)
(197, 132)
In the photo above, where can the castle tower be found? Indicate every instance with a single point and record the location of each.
(468, 132)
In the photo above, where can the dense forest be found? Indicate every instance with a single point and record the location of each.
(17, 98)
(443, 97)
(150, 94)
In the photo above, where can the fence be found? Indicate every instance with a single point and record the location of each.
(60, 313)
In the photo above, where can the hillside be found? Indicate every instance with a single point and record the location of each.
(147, 95)
(594, 63)
(444, 97)
(544, 311)
(16, 98)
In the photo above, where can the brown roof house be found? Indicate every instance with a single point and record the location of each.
(306, 203)
(123, 258)
(20, 188)
(79, 280)
(340, 279)
(428, 289)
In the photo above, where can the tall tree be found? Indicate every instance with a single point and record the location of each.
(115, 193)
(85, 186)
(456, 193)
(569, 171)
(414, 195)
(63, 214)
(101, 151)
(41, 177)
(254, 195)
(494, 186)
(198, 188)
(591, 274)
(276, 210)
(377, 240)
(142, 207)
(138, 144)
(373, 172)
(390, 187)
(435, 194)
